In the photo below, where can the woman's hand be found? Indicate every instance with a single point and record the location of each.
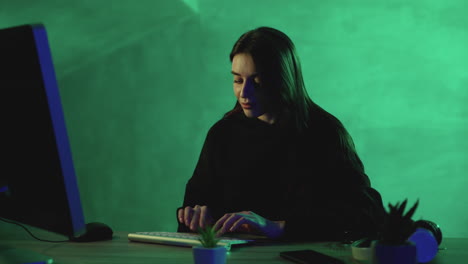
(195, 217)
(250, 222)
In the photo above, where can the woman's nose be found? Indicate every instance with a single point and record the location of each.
(247, 89)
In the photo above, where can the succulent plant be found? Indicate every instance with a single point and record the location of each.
(398, 226)
(208, 237)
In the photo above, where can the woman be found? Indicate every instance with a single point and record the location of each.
(278, 164)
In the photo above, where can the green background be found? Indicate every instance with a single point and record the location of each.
(142, 81)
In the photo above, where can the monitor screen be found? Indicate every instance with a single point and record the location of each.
(37, 183)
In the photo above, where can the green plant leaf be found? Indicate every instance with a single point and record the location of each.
(208, 237)
(401, 208)
(398, 225)
(410, 213)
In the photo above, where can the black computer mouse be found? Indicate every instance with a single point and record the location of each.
(95, 232)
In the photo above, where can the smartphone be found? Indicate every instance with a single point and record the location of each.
(309, 257)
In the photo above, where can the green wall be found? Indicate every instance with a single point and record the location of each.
(142, 82)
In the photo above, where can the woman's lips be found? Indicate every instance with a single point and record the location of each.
(246, 106)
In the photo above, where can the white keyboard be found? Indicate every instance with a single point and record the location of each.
(181, 239)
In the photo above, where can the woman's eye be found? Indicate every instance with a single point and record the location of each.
(237, 81)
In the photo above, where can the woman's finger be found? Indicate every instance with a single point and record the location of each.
(245, 228)
(228, 223)
(188, 211)
(205, 218)
(194, 223)
(237, 224)
(180, 215)
(221, 221)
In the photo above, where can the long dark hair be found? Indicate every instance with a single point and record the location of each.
(280, 72)
(279, 69)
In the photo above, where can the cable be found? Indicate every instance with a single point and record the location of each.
(29, 232)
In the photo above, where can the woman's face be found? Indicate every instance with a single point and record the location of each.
(246, 80)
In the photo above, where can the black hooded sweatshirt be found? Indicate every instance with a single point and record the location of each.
(313, 180)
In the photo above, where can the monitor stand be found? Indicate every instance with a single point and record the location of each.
(12, 255)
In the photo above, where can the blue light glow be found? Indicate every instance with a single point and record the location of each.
(3, 189)
(426, 245)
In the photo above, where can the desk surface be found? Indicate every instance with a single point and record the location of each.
(120, 250)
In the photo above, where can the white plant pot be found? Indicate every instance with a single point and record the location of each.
(395, 254)
(202, 255)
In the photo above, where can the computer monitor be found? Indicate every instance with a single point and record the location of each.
(38, 186)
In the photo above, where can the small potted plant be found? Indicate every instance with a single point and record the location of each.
(209, 252)
(393, 246)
